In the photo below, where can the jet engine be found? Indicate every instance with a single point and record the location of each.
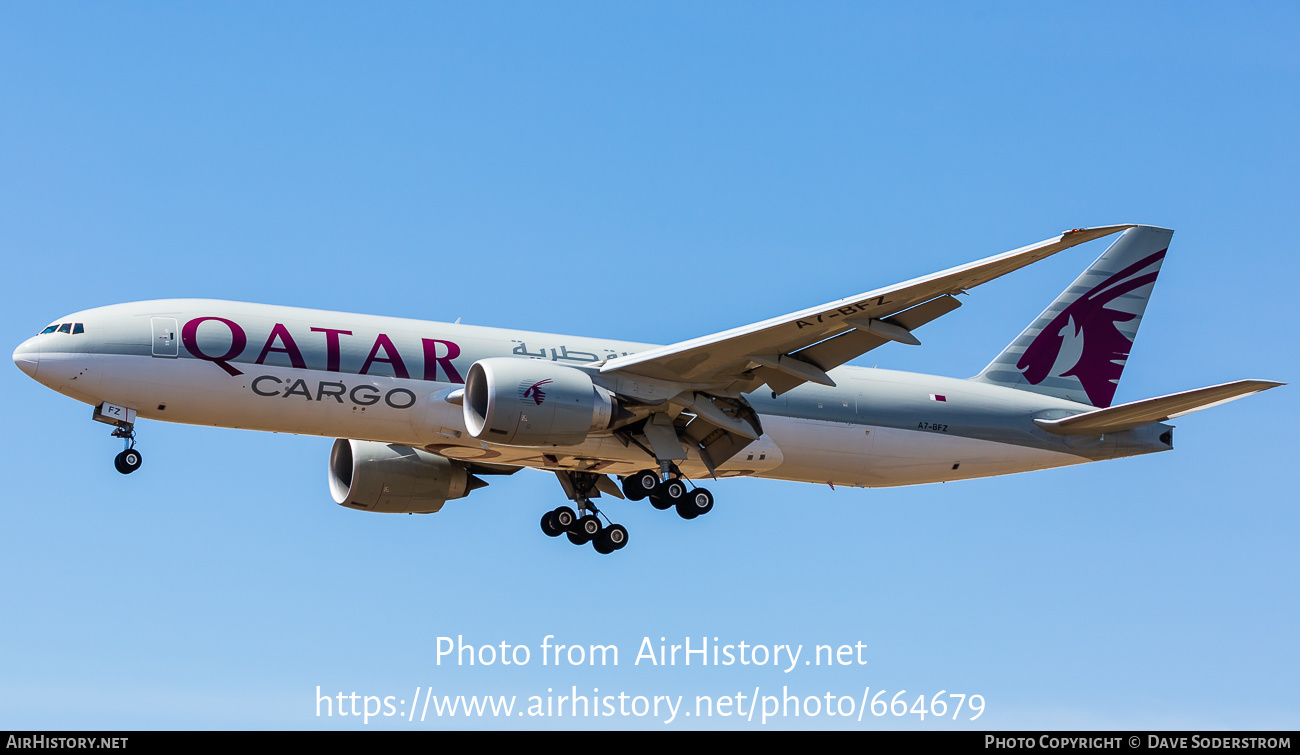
(529, 402)
(395, 479)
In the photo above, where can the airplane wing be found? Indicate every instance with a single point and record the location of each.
(786, 351)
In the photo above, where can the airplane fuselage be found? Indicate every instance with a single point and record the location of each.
(366, 377)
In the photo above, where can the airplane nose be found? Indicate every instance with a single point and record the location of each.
(27, 357)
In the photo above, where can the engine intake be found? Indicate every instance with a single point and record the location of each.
(394, 479)
(529, 402)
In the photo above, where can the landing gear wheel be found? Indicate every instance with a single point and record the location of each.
(667, 494)
(128, 461)
(612, 538)
(587, 529)
(640, 485)
(564, 518)
(549, 526)
(697, 503)
(616, 536)
(672, 490)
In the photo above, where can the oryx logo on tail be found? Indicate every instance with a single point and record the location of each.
(1104, 348)
(1076, 349)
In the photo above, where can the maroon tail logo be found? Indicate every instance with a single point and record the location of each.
(1104, 348)
(535, 391)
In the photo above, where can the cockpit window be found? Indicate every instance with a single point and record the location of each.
(71, 328)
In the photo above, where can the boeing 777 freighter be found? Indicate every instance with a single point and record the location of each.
(424, 410)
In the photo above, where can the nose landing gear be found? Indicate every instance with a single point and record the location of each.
(130, 459)
(123, 422)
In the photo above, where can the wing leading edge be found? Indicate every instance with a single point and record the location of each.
(803, 346)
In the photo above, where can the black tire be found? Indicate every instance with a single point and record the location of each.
(663, 504)
(701, 501)
(671, 490)
(685, 510)
(640, 485)
(565, 518)
(589, 526)
(616, 536)
(128, 461)
(585, 530)
(602, 545)
(549, 526)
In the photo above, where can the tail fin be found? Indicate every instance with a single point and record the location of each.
(1077, 348)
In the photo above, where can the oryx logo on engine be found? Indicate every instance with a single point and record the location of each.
(533, 391)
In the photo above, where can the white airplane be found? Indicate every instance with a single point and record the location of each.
(424, 410)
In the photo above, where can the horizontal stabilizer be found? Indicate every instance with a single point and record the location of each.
(1144, 412)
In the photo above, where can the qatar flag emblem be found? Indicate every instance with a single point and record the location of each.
(938, 397)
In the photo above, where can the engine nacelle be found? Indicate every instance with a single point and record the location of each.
(394, 479)
(529, 402)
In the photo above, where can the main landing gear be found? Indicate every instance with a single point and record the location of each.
(584, 525)
(585, 529)
(670, 492)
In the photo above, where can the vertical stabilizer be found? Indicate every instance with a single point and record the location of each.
(1077, 348)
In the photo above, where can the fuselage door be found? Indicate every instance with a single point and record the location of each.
(164, 336)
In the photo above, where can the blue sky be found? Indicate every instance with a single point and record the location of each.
(653, 173)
